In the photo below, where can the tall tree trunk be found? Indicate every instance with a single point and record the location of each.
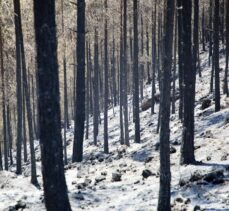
(174, 65)
(4, 122)
(28, 106)
(121, 76)
(80, 84)
(96, 88)
(165, 174)
(137, 138)
(180, 58)
(17, 15)
(203, 29)
(225, 85)
(216, 55)
(106, 148)
(55, 189)
(125, 95)
(187, 146)
(154, 56)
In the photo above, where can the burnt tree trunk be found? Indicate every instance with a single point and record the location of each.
(55, 189)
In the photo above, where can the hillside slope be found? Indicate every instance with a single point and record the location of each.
(90, 183)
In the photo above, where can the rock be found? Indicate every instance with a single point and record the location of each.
(179, 200)
(137, 182)
(147, 173)
(157, 146)
(208, 134)
(81, 185)
(182, 182)
(206, 104)
(11, 208)
(87, 181)
(187, 201)
(122, 165)
(100, 159)
(196, 176)
(149, 159)
(226, 121)
(176, 143)
(214, 176)
(172, 150)
(197, 147)
(79, 196)
(104, 173)
(20, 205)
(116, 177)
(197, 208)
(218, 181)
(209, 158)
(224, 157)
(100, 179)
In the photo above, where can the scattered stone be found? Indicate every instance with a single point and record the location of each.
(79, 196)
(100, 179)
(179, 200)
(147, 173)
(224, 157)
(208, 134)
(149, 159)
(122, 165)
(187, 201)
(195, 177)
(182, 182)
(214, 176)
(11, 208)
(157, 146)
(87, 181)
(176, 143)
(173, 150)
(81, 185)
(226, 121)
(137, 182)
(74, 182)
(197, 208)
(206, 104)
(20, 205)
(100, 159)
(104, 173)
(116, 177)
(209, 158)
(103, 187)
(197, 147)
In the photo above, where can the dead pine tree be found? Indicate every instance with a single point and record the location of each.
(17, 15)
(55, 189)
(216, 55)
(225, 84)
(124, 75)
(80, 85)
(165, 174)
(187, 145)
(106, 147)
(137, 138)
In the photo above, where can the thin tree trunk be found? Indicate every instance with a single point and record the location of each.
(216, 55)
(137, 138)
(165, 173)
(106, 147)
(80, 85)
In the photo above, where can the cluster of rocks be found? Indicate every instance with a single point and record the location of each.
(214, 177)
(18, 206)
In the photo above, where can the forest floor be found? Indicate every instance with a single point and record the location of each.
(90, 183)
